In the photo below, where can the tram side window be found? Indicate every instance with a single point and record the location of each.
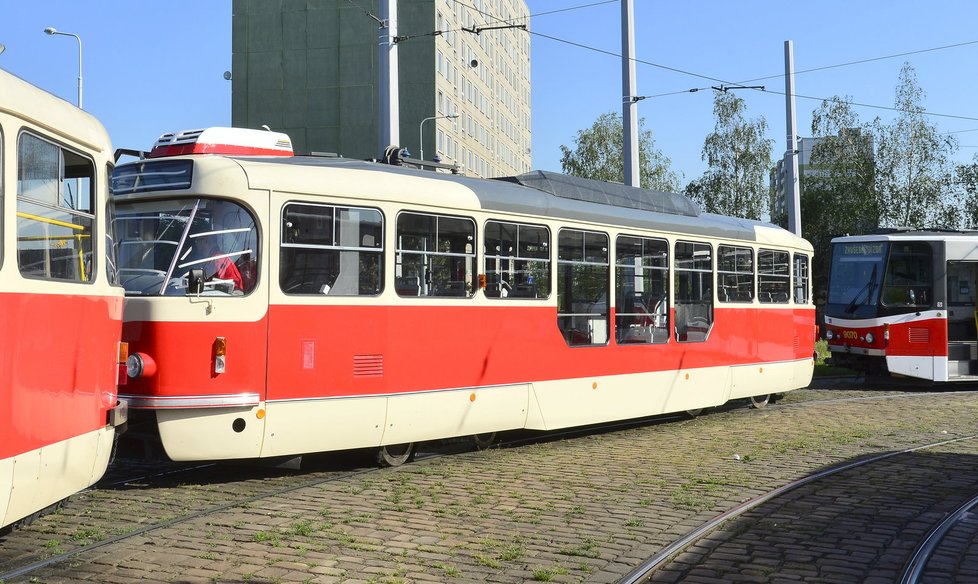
(735, 272)
(773, 276)
(55, 218)
(517, 260)
(909, 275)
(641, 290)
(583, 271)
(331, 250)
(694, 291)
(800, 278)
(435, 255)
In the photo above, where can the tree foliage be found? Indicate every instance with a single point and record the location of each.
(914, 176)
(739, 158)
(967, 182)
(599, 154)
(838, 191)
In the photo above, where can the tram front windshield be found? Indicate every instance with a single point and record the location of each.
(159, 243)
(871, 278)
(856, 275)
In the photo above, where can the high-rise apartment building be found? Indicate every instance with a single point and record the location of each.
(309, 68)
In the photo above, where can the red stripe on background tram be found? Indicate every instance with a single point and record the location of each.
(902, 302)
(61, 315)
(279, 305)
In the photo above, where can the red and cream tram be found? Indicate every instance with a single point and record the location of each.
(281, 304)
(61, 314)
(902, 302)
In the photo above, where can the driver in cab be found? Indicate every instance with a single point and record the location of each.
(221, 268)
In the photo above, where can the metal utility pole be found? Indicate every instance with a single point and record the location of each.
(388, 100)
(629, 105)
(792, 185)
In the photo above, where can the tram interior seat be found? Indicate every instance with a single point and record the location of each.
(524, 291)
(408, 285)
(449, 288)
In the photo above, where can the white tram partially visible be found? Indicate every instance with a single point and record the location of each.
(903, 302)
(280, 304)
(61, 314)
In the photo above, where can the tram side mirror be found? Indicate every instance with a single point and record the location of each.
(195, 281)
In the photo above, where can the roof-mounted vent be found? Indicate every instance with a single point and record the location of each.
(232, 141)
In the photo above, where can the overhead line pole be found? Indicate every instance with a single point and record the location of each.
(629, 105)
(792, 185)
(388, 98)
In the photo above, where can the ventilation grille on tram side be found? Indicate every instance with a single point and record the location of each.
(368, 365)
(919, 335)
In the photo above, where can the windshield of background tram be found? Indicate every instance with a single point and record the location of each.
(856, 275)
(159, 242)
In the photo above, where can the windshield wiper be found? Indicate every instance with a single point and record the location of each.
(868, 288)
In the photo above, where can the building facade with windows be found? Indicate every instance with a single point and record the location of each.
(309, 68)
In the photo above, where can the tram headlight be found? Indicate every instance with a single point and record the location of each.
(140, 365)
(870, 338)
(829, 335)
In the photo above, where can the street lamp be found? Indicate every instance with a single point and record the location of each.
(53, 31)
(421, 132)
(2, 48)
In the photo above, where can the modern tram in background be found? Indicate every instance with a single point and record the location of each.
(61, 314)
(902, 302)
(279, 305)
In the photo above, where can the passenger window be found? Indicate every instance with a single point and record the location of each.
(517, 260)
(331, 250)
(641, 290)
(773, 276)
(735, 272)
(583, 271)
(801, 279)
(694, 291)
(435, 255)
(55, 219)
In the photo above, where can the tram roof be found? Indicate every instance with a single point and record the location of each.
(895, 233)
(30, 103)
(545, 194)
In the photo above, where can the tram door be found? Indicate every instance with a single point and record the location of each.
(962, 336)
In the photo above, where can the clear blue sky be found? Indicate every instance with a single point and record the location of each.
(154, 67)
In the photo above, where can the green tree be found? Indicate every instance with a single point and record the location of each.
(739, 157)
(838, 187)
(598, 154)
(967, 181)
(914, 175)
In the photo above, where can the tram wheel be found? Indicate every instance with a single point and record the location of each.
(759, 401)
(395, 454)
(483, 441)
(694, 413)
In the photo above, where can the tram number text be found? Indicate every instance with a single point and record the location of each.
(850, 335)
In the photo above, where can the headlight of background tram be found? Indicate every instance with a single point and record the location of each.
(870, 338)
(829, 335)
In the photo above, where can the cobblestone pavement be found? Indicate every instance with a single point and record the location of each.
(583, 509)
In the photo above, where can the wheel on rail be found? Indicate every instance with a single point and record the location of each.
(483, 441)
(694, 413)
(395, 454)
(760, 401)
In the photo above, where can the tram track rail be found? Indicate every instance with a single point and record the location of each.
(915, 569)
(644, 571)
(201, 472)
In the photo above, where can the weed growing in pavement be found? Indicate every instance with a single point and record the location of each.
(587, 549)
(488, 561)
(449, 570)
(547, 574)
(267, 536)
(634, 523)
(94, 534)
(303, 528)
